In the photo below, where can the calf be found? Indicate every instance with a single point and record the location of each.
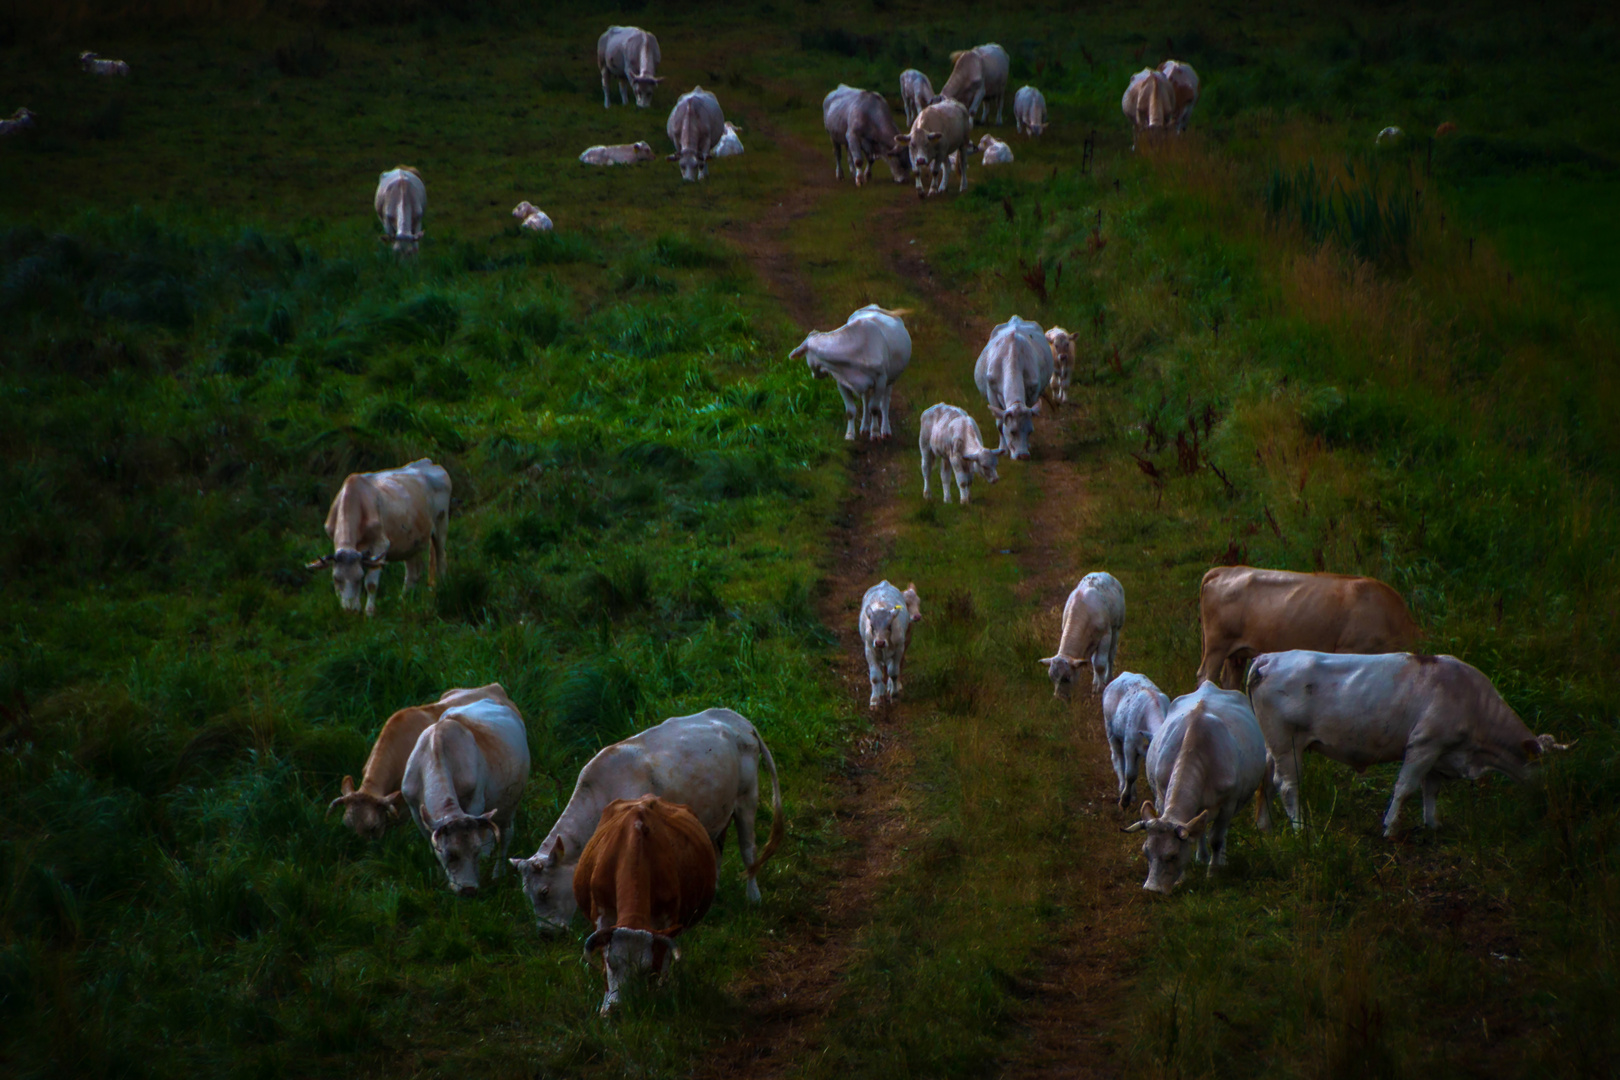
(1133, 710)
(887, 615)
(916, 93)
(95, 65)
(1207, 760)
(1029, 111)
(620, 154)
(368, 808)
(696, 127)
(1093, 617)
(1012, 372)
(863, 357)
(531, 217)
(19, 121)
(1183, 82)
(463, 783)
(401, 202)
(995, 151)
(647, 874)
(1062, 343)
(397, 515)
(938, 137)
(729, 145)
(860, 121)
(1245, 612)
(709, 761)
(1149, 102)
(1440, 717)
(951, 435)
(628, 55)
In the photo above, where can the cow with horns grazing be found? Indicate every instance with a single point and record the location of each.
(396, 515)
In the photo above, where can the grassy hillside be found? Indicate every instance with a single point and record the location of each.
(1295, 352)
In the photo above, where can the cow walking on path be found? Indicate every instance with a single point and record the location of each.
(1012, 372)
(887, 616)
(864, 358)
(1093, 618)
(696, 125)
(951, 436)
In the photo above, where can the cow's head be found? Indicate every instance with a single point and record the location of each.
(694, 163)
(887, 625)
(643, 151)
(630, 954)
(349, 570)
(1166, 847)
(523, 210)
(1062, 670)
(459, 842)
(548, 882)
(1016, 423)
(644, 85)
(365, 813)
(984, 463)
(913, 149)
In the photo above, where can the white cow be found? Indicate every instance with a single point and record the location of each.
(531, 217)
(729, 145)
(95, 65)
(709, 762)
(937, 139)
(628, 55)
(995, 151)
(1012, 372)
(1389, 136)
(1207, 760)
(696, 126)
(1133, 711)
(916, 93)
(863, 357)
(401, 202)
(1440, 717)
(1149, 102)
(1093, 617)
(979, 75)
(395, 515)
(1029, 111)
(1183, 89)
(1062, 343)
(887, 616)
(951, 435)
(860, 122)
(463, 784)
(620, 154)
(20, 120)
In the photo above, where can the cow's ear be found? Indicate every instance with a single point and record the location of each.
(1035, 408)
(935, 136)
(902, 140)
(555, 855)
(347, 786)
(320, 563)
(1195, 827)
(997, 413)
(673, 157)
(1531, 748)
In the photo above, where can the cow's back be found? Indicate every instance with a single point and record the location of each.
(1276, 610)
(950, 119)
(657, 848)
(836, 108)
(994, 65)
(967, 76)
(694, 760)
(855, 354)
(497, 729)
(697, 111)
(896, 338)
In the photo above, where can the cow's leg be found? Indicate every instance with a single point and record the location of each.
(867, 415)
(1122, 769)
(1431, 789)
(838, 160)
(961, 167)
(746, 841)
(927, 468)
(875, 672)
(624, 89)
(719, 848)
(1419, 760)
(1262, 812)
(886, 431)
(852, 408)
(893, 665)
(372, 578)
(506, 842)
(1286, 772)
(1212, 665)
(413, 570)
(607, 100)
(1217, 843)
(441, 536)
(964, 480)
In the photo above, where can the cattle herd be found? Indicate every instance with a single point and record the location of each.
(1290, 662)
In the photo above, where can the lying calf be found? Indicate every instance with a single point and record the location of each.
(995, 151)
(531, 217)
(622, 154)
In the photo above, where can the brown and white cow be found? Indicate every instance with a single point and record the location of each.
(619, 154)
(938, 138)
(916, 93)
(396, 515)
(1093, 617)
(1246, 611)
(629, 56)
(1439, 717)
(1062, 343)
(647, 874)
(1183, 89)
(696, 125)
(860, 122)
(1149, 102)
(368, 808)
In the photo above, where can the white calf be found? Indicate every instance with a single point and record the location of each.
(952, 436)
(887, 615)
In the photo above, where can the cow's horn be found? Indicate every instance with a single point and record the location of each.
(341, 800)
(488, 817)
(323, 561)
(1135, 826)
(372, 562)
(598, 941)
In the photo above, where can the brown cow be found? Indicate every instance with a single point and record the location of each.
(1246, 611)
(397, 515)
(647, 874)
(368, 808)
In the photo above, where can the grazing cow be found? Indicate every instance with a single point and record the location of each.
(938, 137)
(531, 217)
(995, 151)
(1062, 343)
(1207, 760)
(1389, 136)
(620, 154)
(397, 515)
(1133, 711)
(19, 121)
(863, 357)
(95, 65)
(887, 615)
(1149, 102)
(1029, 111)
(696, 127)
(729, 145)
(368, 808)
(1012, 372)
(647, 873)
(860, 121)
(1245, 611)
(1440, 717)
(709, 762)
(1183, 82)
(1093, 617)
(401, 202)
(951, 435)
(916, 93)
(463, 783)
(979, 76)
(629, 56)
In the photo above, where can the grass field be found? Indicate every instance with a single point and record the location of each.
(1294, 352)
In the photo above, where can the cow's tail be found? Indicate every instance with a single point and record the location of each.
(898, 313)
(778, 823)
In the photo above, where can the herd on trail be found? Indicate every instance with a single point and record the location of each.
(1290, 662)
